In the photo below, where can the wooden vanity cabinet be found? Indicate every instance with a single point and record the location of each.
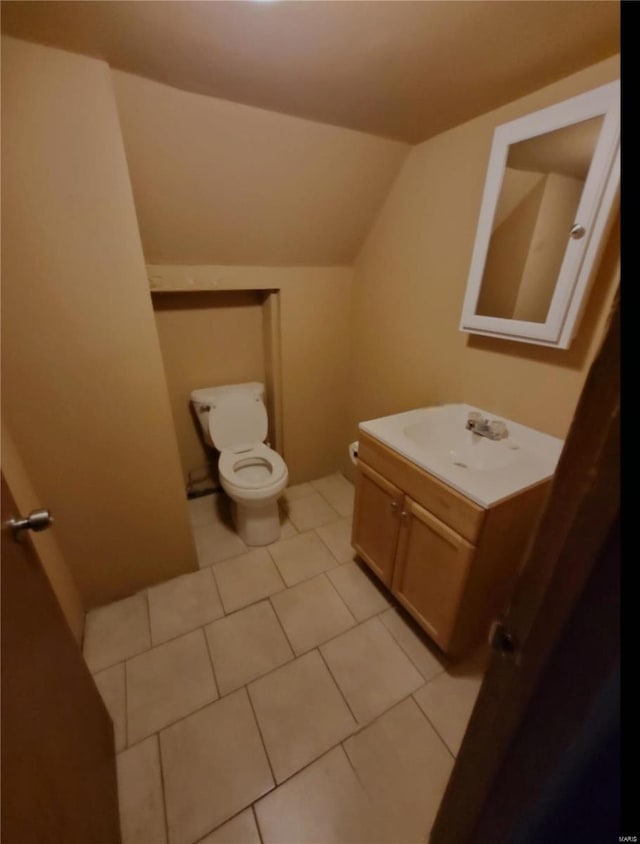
(451, 563)
(432, 565)
(379, 503)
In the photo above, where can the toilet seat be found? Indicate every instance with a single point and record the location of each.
(233, 464)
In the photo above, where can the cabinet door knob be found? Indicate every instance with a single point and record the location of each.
(394, 505)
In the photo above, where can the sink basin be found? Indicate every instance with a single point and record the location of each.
(463, 448)
(487, 471)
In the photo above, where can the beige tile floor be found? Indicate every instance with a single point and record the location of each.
(278, 694)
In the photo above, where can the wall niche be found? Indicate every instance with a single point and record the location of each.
(208, 338)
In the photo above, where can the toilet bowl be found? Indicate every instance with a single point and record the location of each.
(234, 420)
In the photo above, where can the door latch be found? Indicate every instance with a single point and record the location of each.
(502, 640)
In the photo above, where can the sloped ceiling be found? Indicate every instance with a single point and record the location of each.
(405, 70)
(216, 182)
(270, 133)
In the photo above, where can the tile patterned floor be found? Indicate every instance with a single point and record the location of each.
(278, 694)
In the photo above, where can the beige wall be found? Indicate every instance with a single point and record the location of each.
(46, 542)
(83, 388)
(410, 280)
(314, 347)
(217, 182)
(315, 371)
(206, 339)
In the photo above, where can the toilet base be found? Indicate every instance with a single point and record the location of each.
(257, 525)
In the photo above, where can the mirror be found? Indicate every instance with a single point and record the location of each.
(551, 187)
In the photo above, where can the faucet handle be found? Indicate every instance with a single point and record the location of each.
(498, 429)
(474, 420)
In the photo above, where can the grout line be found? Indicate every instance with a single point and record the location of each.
(367, 724)
(211, 702)
(161, 729)
(177, 720)
(302, 483)
(277, 567)
(237, 610)
(126, 705)
(275, 612)
(363, 785)
(198, 709)
(327, 546)
(276, 785)
(117, 662)
(353, 715)
(275, 562)
(164, 642)
(255, 819)
(325, 641)
(309, 577)
(228, 820)
(153, 646)
(355, 770)
(215, 586)
(405, 652)
(264, 746)
(213, 670)
(337, 591)
(148, 606)
(164, 796)
(247, 550)
(258, 601)
(303, 768)
(359, 728)
(433, 726)
(191, 630)
(215, 580)
(138, 742)
(335, 506)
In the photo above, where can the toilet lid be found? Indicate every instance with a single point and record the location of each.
(238, 419)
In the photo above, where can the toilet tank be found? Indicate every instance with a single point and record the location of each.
(204, 398)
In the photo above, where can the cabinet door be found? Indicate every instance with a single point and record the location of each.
(431, 570)
(376, 521)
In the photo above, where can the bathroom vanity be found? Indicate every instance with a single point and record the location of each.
(443, 515)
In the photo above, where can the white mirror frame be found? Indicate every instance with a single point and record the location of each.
(594, 214)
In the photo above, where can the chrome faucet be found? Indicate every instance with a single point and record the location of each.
(493, 430)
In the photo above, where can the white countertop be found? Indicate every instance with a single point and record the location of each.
(486, 471)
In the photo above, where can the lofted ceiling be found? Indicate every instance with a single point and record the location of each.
(400, 70)
(217, 182)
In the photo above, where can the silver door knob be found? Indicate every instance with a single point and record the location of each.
(577, 231)
(37, 520)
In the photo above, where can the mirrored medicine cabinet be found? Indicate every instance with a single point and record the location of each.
(549, 198)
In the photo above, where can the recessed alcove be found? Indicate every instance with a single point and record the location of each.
(208, 338)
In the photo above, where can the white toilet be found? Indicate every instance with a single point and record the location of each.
(234, 420)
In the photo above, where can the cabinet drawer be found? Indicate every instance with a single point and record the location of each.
(460, 513)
